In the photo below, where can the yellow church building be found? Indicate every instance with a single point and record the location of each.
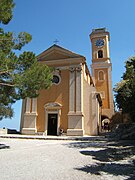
(77, 102)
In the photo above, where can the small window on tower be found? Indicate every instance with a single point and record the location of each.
(101, 76)
(100, 54)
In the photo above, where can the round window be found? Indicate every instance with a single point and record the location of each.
(56, 79)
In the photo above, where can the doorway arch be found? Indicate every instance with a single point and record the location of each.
(105, 122)
(52, 118)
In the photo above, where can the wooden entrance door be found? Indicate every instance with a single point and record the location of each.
(52, 124)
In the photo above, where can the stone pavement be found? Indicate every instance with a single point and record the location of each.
(42, 137)
(36, 159)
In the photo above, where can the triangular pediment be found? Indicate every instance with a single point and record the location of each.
(56, 52)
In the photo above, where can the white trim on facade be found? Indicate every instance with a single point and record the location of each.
(79, 93)
(34, 105)
(28, 105)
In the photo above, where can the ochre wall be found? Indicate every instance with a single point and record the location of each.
(95, 49)
(56, 93)
(103, 86)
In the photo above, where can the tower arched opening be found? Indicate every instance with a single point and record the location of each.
(100, 54)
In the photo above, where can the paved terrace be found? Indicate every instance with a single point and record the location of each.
(65, 158)
(62, 137)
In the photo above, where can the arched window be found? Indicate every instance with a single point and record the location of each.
(100, 54)
(101, 76)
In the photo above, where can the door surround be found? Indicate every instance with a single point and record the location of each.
(52, 124)
(52, 108)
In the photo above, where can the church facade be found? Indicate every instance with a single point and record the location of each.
(77, 102)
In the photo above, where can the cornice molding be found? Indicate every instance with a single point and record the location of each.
(67, 61)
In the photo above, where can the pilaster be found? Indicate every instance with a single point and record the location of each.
(79, 94)
(75, 119)
(110, 92)
(34, 105)
(72, 91)
(28, 105)
(94, 114)
(29, 117)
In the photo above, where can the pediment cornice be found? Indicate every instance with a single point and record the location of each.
(58, 53)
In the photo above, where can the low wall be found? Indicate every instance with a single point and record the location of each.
(3, 131)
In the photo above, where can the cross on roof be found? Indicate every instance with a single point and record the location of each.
(56, 41)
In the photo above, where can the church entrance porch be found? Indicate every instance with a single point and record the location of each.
(52, 124)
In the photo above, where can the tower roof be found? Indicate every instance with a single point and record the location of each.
(98, 32)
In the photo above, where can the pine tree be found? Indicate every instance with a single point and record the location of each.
(20, 76)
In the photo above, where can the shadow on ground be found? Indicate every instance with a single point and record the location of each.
(3, 146)
(108, 156)
(111, 168)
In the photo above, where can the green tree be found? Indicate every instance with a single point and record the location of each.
(6, 11)
(125, 90)
(20, 76)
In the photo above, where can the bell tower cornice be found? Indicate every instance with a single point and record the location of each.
(101, 32)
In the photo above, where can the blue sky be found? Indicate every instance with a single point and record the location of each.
(71, 22)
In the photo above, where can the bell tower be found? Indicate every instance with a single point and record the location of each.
(102, 69)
